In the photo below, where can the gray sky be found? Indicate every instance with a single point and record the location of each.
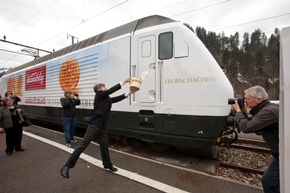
(45, 24)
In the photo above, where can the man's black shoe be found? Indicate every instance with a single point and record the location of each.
(21, 149)
(8, 153)
(64, 172)
(111, 168)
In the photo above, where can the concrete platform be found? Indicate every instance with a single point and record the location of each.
(36, 170)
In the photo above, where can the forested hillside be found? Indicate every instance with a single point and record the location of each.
(252, 59)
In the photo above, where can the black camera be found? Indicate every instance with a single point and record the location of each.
(76, 94)
(240, 100)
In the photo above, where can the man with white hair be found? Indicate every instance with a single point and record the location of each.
(264, 121)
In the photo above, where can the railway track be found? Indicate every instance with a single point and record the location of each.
(251, 148)
(245, 161)
(251, 142)
(241, 168)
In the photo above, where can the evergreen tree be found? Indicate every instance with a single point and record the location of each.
(256, 61)
(246, 42)
(201, 34)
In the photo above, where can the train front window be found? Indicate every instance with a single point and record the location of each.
(165, 46)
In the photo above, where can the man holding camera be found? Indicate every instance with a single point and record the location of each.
(69, 119)
(265, 121)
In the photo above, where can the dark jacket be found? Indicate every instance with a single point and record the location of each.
(265, 121)
(16, 99)
(69, 106)
(102, 105)
(6, 119)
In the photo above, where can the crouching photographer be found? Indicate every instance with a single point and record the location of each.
(265, 121)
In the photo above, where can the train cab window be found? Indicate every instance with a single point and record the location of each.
(181, 49)
(165, 46)
(146, 49)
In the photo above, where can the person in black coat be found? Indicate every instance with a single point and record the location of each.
(97, 126)
(15, 98)
(69, 118)
(10, 120)
(1, 103)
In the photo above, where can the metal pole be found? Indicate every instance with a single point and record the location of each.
(24, 46)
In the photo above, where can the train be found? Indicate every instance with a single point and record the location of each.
(183, 97)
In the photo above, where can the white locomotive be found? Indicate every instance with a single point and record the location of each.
(183, 100)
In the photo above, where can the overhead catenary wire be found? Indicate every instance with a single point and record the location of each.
(79, 23)
(200, 8)
(83, 20)
(3, 61)
(21, 24)
(32, 16)
(168, 6)
(14, 52)
(249, 22)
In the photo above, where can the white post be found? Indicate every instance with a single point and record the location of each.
(284, 110)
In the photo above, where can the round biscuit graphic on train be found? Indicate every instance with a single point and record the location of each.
(69, 75)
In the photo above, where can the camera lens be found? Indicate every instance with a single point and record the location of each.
(231, 101)
(241, 102)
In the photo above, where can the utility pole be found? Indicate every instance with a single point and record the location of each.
(72, 38)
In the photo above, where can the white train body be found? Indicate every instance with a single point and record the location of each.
(183, 96)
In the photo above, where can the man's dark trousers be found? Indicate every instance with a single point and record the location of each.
(92, 133)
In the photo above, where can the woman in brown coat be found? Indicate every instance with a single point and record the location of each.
(10, 120)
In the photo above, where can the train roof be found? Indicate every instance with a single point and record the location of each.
(118, 31)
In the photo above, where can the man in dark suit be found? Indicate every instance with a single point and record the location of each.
(97, 126)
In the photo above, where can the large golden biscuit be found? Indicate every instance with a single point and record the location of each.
(69, 75)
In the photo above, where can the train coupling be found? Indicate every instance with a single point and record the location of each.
(228, 135)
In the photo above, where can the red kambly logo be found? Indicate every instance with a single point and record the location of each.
(35, 78)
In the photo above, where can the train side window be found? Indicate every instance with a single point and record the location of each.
(181, 49)
(165, 46)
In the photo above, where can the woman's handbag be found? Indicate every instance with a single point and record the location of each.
(26, 122)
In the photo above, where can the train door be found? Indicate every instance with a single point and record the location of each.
(145, 69)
